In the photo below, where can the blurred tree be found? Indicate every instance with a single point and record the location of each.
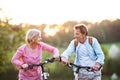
(5, 42)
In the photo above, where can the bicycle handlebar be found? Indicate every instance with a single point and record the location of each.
(41, 64)
(70, 64)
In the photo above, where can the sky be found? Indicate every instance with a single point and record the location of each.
(59, 11)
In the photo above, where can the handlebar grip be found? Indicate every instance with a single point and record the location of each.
(72, 64)
(30, 66)
(51, 60)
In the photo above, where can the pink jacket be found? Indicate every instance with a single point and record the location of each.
(23, 55)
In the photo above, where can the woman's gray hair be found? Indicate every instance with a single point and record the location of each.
(31, 35)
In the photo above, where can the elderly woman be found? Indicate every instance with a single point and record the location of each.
(31, 53)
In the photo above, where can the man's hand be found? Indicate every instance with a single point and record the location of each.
(97, 66)
(64, 60)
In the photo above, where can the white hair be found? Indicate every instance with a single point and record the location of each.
(31, 35)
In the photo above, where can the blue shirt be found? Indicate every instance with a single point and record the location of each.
(83, 54)
(94, 51)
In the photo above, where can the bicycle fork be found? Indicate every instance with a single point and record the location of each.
(45, 75)
(75, 76)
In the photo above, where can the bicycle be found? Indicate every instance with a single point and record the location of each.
(76, 71)
(72, 65)
(45, 75)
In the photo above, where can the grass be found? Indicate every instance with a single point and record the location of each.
(108, 45)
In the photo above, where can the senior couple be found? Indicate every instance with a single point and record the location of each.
(87, 50)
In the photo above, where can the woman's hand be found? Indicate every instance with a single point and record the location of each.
(56, 56)
(25, 66)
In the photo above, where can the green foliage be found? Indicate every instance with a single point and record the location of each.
(57, 69)
(10, 39)
(5, 44)
(111, 65)
(106, 31)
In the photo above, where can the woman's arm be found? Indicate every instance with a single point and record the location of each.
(50, 49)
(17, 58)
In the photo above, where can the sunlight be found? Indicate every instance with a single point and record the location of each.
(51, 31)
(66, 30)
